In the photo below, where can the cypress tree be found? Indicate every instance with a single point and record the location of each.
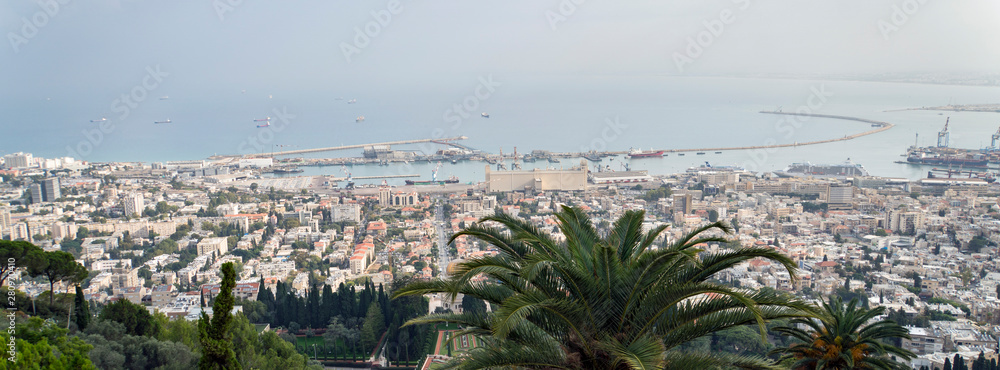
(82, 309)
(216, 340)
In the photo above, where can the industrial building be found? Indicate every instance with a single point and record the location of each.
(573, 179)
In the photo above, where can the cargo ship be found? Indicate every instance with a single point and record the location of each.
(633, 153)
(941, 154)
(929, 156)
(434, 180)
(840, 171)
(450, 180)
(286, 170)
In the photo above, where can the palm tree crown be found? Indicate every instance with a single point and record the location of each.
(844, 337)
(602, 301)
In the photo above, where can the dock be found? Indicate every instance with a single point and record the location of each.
(372, 177)
(345, 147)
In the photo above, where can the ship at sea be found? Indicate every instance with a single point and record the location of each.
(287, 170)
(450, 180)
(839, 171)
(434, 180)
(635, 153)
(942, 154)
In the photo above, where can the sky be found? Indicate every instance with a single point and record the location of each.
(104, 46)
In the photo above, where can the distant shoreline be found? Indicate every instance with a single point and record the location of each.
(981, 108)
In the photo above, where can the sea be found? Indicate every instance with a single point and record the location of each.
(559, 113)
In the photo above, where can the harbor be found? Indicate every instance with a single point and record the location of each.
(384, 153)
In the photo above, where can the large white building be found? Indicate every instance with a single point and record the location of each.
(350, 212)
(212, 245)
(18, 160)
(133, 204)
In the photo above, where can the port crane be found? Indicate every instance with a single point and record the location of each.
(350, 183)
(996, 138)
(434, 173)
(943, 135)
(516, 165)
(500, 164)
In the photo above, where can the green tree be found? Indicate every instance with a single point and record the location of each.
(603, 301)
(840, 338)
(58, 266)
(43, 345)
(82, 309)
(134, 317)
(713, 215)
(23, 253)
(216, 341)
(373, 327)
(473, 305)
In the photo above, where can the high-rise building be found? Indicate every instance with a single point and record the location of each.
(37, 194)
(384, 196)
(46, 191)
(50, 189)
(682, 203)
(133, 204)
(19, 232)
(5, 218)
(18, 160)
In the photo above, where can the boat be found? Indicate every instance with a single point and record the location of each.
(434, 180)
(592, 157)
(286, 170)
(635, 153)
(359, 119)
(486, 115)
(718, 152)
(159, 122)
(99, 120)
(839, 171)
(164, 97)
(680, 154)
(553, 160)
(262, 119)
(935, 157)
(700, 153)
(450, 180)
(264, 125)
(352, 101)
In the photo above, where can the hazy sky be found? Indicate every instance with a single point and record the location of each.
(106, 44)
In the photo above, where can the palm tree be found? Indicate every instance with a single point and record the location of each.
(843, 337)
(595, 301)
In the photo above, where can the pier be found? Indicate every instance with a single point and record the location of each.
(471, 155)
(346, 147)
(372, 177)
(880, 126)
